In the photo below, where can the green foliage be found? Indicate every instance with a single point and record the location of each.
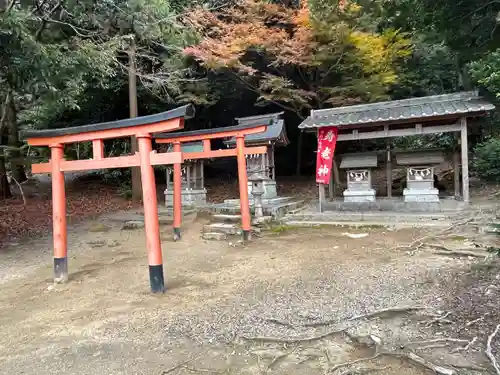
(486, 72)
(486, 160)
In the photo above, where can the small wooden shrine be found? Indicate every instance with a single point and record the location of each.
(448, 113)
(274, 136)
(193, 180)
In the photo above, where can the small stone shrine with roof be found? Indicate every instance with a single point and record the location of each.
(359, 176)
(273, 137)
(193, 179)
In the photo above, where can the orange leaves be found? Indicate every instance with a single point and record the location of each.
(283, 34)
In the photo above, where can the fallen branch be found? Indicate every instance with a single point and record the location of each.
(356, 361)
(280, 323)
(294, 340)
(468, 324)
(466, 347)
(428, 365)
(440, 319)
(435, 341)
(391, 310)
(489, 350)
(437, 246)
(377, 313)
(412, 357)
(179, 365)
(461, 253)
(418, 243)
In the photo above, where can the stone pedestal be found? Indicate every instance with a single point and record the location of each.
(270, 190)
(359, 196)
(420, 185)
(190, 197)
(359, 186)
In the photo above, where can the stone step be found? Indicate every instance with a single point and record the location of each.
(367, 216)
(268, 201)
(228, 229)
(226, 218)
(274, 211)
(214, 236)
(397, 225)
(282, 209)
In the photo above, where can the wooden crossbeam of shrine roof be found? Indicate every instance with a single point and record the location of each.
(275, 133)
(444, 109)
(251, 127)
(160, 122)
(420, 157)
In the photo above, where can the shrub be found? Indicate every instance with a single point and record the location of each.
(486, 161)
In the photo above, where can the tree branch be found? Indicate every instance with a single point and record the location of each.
(42, 27)
(481, 8)
(11, 5)
(489, 351)
(257, 91)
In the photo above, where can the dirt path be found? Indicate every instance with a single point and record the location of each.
(219, 299)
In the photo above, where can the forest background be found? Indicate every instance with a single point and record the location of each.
(75, 62)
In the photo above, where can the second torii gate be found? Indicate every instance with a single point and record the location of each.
(239, 132)
(142, 128)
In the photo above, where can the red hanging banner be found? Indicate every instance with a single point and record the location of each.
(327, 139)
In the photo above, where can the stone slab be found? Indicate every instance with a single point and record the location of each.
(226, 217)
(393, 205)
(214, 236)
(421, 195)
(359, 195)
(230, 229)
(392, 224)
(359, 198)
(274, 210)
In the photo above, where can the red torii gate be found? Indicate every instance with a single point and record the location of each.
(142, 128)
(239, 132)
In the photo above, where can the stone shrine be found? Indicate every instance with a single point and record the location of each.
(359, 183)
(193, 182)
(420, 174)
(274, 136)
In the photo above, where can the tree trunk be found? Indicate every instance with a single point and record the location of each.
(132, 95)
(4, 183)
(16, 166)
(299, 154)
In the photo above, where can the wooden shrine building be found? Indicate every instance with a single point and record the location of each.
(437, 114)
(275, 136)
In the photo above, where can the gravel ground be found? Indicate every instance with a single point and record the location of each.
(220, 297)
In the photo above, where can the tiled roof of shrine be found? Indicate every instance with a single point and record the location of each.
(275, 133)
(416, 109)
